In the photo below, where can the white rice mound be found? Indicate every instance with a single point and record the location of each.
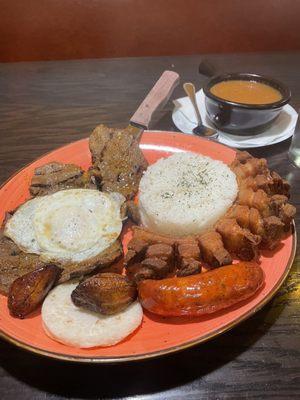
(185, 193)
(76, 327)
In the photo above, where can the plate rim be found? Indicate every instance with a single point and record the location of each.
(160, 353)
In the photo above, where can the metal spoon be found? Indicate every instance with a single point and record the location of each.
(200, 130)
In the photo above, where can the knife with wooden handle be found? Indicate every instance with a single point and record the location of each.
(154, 101)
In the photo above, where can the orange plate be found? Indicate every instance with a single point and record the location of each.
(157, 335)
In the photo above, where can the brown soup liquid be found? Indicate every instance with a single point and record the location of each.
(246, 92)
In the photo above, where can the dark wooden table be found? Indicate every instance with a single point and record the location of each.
(44, 105)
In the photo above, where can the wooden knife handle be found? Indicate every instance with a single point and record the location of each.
(156, 99)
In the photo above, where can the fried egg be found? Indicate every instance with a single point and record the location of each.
(70, 225)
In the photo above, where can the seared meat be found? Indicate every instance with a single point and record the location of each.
(286, 214)
(136, 251)
(273, 232)
(188, 250)
(118, 162)
(237, 240)
(152, 238)
(104, 259)
(270, 228)
(159, 266)
(138, 272)
(162, 251)
(212, 249)
(188, 259)
(52, 177)
(28, 291)
(105, 293)
(15, 263)
(144, 261)
(152, 256)
(189, 266)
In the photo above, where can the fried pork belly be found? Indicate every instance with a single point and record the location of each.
(242, 156)
(253, 173)
(212, 249)
(252, 167)
(162, 251)
(153, 256)
(138, 272)
(238, 240)
(266, 205)
(188, 259)
(136, 250)
(262, 201)
(286, 214)
(54, 176)
(271, 183)
(270, 229)
(188, 250)
(189, 266)
(151, 237)
(159, 266)
(118, 162)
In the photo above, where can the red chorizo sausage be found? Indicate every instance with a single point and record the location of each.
(202, 293)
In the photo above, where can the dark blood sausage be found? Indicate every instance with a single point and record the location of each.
(202, 293)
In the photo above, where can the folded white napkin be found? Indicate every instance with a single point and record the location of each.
(184, 118)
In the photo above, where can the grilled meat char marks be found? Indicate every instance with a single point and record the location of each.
(54, 176)
(118, 162)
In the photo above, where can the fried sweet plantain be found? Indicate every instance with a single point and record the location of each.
(28, 291)
(106, 293)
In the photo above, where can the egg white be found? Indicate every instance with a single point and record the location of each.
(20, 228)
(70, 225)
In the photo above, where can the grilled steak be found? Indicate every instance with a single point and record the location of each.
(118, 162)
(52, 177)
(15, 263)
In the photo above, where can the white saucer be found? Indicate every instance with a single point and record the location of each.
(185, 120)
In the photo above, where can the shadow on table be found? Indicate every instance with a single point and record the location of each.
(142, 377)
